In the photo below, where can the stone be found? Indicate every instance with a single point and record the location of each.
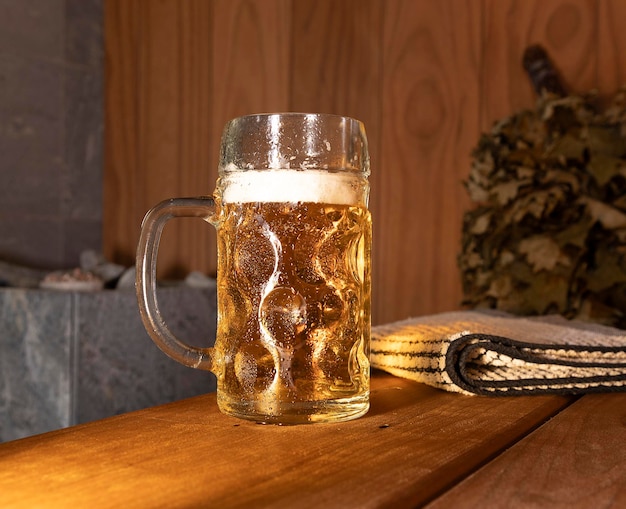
(73, 357)
(196, 279)
(12, 274)
(96, 263)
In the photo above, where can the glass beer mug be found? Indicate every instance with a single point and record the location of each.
(293, 274)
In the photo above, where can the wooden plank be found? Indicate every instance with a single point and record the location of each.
(177, 71)
(611, 68)
(193, 246)
(157, 123)
(424, 76)
(121, 187)
(577, 459)
(175, 115)
(251, 47)
(566, 29)
(336, 62)
(415, 442)
(430, 120)
(336, 66)
(250, 69)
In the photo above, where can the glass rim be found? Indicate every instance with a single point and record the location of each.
(294, 114)
(294, 141)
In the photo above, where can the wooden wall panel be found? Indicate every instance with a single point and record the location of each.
(430, 120)
(251, 51)
(250, 56)
(175, 121)
(425, 76)
(336, 60)
(611, 47)
(190, 240)
(337, 68)
(122, 183)
(157, 125)
(185, 68)
(566, 29)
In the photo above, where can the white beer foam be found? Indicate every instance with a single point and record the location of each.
(313, 186)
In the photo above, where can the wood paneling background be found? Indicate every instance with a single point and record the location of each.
(426, 77)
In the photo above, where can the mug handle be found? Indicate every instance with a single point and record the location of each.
(145, 284)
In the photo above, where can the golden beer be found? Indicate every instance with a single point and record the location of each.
(294, 307)
(293, 273)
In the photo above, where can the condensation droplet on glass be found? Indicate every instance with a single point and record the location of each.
(245, 370)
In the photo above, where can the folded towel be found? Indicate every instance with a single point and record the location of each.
(477, 352)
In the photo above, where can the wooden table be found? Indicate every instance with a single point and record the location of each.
(417, 446)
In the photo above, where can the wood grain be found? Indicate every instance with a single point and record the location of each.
(566, 29)
(336, 60)
(175, 122)
(122, 183)
(415, 442)
(177, 71)
(157, 123)
(251, 48)
(576, 460)
(336, 68)
(611, 68)
(426, 78)
(429, 123)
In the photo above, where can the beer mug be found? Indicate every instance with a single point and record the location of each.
(293, 273)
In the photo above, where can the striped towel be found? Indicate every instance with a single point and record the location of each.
(478, 352)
